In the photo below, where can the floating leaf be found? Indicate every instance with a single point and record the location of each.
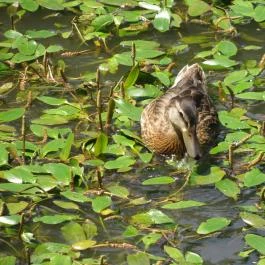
(55, 219)
(197, 7)
(182, 205)
(10, 220)
(11, 115)
(128, 109)
(84, 244)
(118, 191)
(132, 77)
(252, 95)
(164, 180)
(232, 119)
(175, 254)
(52, 101)
(253, 178)
(253, 220)
(7, 260)
(138, 259)
(212, 225)
(228, 187)
(100, 203)
(162, 20)
(120, 162)
(193, 258)
(101, 144)
(215, 175)
(227, 48)
(256, 242)
(153, 216)
(40, 34)
(259, 13)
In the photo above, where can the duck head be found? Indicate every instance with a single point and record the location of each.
(183, 116)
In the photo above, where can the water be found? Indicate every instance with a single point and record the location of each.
(222, 248)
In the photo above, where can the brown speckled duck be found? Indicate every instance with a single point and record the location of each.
(182, 119)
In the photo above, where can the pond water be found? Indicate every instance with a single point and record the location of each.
(220, 248)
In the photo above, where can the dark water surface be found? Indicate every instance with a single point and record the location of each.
(221, 248)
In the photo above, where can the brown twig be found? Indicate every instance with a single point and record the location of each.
(256, 160)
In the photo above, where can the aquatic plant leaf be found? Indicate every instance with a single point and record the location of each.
(252, 47)
(259, 13)
(127, 109)
(177, 20)
(175, 254)
(235, 76)
(102, 21)
(162, 20)
(61, 172)
(149, 6)
(40, 34)
(84, 244)
(100, 203)
(66, 205)
(25, 46)
(227, 48)
(54, 48)
(60, 259)
(19, 175)
(120, 162)
(52, 101)
(215, 175)
(197, 7)
(150, 239)
(7, 260)
(228, 187)
(50, 119)
(141, 44)
(10, 219)
(252, 95)
(253, 178)
(244, 8)
(75, 196)
(73, 232)
(118, 191)
(52, 146)
(182, 204)
(64, 110)
(11, 114)
(163, 77)
(52, 4)
(219, 62)
(163, 180)
(193, 258)
(101, 144)
(256, 242)
(65, 153)
(20, 58)
(130, 231)
(55, 219)
(253, 220)
(3, 156)
(153, 216)
(132, 77)
(138, 259)
(212, 225)
(232, 119)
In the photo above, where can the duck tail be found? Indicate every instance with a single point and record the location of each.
(190, 75)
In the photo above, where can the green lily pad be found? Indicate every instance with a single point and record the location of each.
(212, 225)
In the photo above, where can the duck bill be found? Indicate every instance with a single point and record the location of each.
(191, 143)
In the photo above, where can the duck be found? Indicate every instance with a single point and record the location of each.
(183, 119)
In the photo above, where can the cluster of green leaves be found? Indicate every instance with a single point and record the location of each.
(53, 176)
